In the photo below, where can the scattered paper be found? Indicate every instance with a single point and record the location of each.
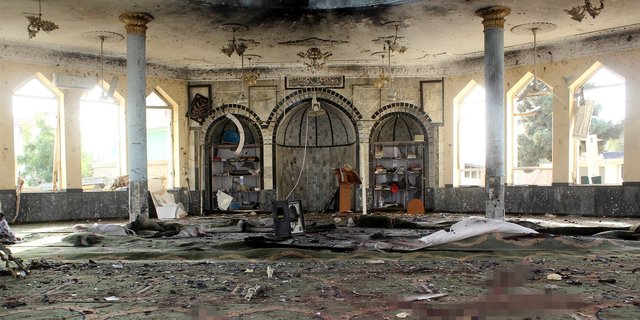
(554, 277)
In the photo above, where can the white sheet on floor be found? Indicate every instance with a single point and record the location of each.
(471, 227)
(104, 229)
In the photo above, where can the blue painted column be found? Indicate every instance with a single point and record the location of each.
(136, 26)
(493, 21)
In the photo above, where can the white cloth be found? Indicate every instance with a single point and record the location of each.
(471, 227)
(104, 229)
(191, 232)
(6, 235)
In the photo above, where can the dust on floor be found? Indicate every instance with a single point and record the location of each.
(221, 277)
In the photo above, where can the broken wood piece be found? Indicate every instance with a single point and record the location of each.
(424, 297)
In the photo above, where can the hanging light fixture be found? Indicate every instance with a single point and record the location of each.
(36, 24)
(105, 36)
(393, 42)
(250, 77)
(234, 45)
(391, 45)
(383, 78)
(579, 12)
(535, 87)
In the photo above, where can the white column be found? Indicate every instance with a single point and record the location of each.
(631, 171)
(364, 172)
(7, 156)
(495, 114)
(70, 142)
(562, 134)
(136, 26)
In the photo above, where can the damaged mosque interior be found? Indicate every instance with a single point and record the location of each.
(320, 159)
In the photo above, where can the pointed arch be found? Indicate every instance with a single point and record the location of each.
(529, 132)
(102, 134)
(220, 111)
(162, 131)
(212, 139)
(36, 106)
(599, 105)
(329, 95)
(468, 135)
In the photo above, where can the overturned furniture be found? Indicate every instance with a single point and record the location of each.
(288, 217)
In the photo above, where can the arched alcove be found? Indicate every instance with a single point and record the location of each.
(399, 160)
(236, 172)
(313, 137)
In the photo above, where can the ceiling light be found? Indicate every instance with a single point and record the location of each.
(578, 13)
(250, 77)
(383, 78)
(234, 45)
(105, 36)
(317, 57)
(536, 87)
(36, 24)
(392, 43)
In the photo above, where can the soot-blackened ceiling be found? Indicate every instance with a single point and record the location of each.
(187, 33)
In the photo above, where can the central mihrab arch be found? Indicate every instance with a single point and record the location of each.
(323, 136)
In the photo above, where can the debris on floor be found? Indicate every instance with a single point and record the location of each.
(233, 267)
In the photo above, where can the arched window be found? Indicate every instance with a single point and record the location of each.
(532, 134)
(600, 102)
(101, 129)
(159, 140)
(35, 127)
(471, 137)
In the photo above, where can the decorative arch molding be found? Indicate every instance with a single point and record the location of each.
(308, 93)
(403, 107)
(221, 111)
(165, 96)
(431, 131)
(44, 80)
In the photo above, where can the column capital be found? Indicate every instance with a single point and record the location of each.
(136, 22)
(493, 16)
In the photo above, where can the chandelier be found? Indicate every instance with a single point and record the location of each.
(391, 45)
(105, 37)
(393, 42)
(317, 57)
(578, 13)
(36, 24)
(250, 77)
(234, 45)
(383, 78)
(535, 87)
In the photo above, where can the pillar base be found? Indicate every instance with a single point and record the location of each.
(138, 199)
(495, 202)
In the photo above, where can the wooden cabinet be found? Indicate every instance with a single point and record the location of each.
(239, 176)
(397, 173)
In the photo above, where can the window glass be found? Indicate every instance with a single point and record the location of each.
(601, 154)
(35, 118)
(100, 129)
(533, 127)
(471, 138)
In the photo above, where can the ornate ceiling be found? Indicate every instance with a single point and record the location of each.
(187, 34)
